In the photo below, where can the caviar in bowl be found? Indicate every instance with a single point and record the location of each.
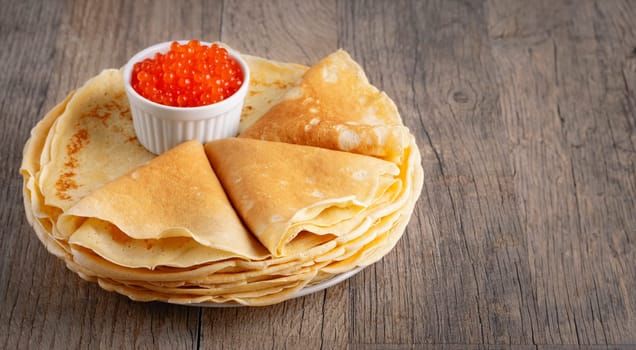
(185, 90)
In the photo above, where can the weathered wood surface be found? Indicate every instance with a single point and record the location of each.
(525, 114)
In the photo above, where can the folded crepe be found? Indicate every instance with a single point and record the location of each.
(40, 216)
(91, 143)
(269, 80)
(334, 106)
(171, 211)
(293, 197)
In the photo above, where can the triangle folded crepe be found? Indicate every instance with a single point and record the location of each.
(334, 106)
(294, 197)
(171, 211)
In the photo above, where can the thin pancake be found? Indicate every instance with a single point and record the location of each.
(269, 80)
(283, 189)
(40, 216)
(171, 211)
(334, 106)
(93, 142)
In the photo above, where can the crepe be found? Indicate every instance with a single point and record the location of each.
(38, 214)
(281, 190)
(387, 231)
(269, 80)
(334, 106)
(242, 221)
(169, 212)
(91, 143)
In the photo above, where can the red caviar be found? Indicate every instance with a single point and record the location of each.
(188, 75)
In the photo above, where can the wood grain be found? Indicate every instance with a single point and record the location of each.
(525, 115)
(571, 131)
(316, 321)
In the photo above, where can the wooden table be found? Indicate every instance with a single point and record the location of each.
(525, 114)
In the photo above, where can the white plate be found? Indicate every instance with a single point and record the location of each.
(305, 291)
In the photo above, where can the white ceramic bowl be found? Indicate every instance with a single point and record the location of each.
(159, 127)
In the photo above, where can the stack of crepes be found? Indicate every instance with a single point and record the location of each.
(322, 180)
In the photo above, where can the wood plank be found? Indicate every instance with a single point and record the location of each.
(60, 46)
(524, 113)
(284, 30)
(568, 108)
(463, 258)
(439, 347)
(105, 34)
(291, 31)
(21, 98)
(586, 347)
(316, 321)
